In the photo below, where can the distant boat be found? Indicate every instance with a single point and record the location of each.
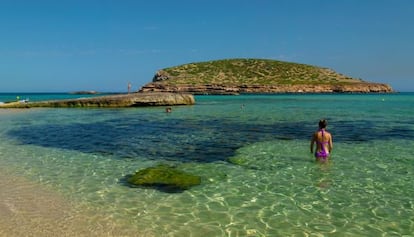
(84, 93)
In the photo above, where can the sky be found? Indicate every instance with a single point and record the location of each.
(71, 45)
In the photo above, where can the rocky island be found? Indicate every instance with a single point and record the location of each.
(235, 76)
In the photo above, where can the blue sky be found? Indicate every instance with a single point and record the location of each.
(61, 46)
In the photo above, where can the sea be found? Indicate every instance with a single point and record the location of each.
(63, 171)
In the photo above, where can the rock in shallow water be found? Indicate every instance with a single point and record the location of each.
(165, 178)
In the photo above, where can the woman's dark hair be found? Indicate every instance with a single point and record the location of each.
(323, 123)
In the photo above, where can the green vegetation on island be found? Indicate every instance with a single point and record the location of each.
(252, 71)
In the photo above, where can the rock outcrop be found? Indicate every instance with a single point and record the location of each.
(112, 101)
(240, 89)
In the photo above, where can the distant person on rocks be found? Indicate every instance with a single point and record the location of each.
(129, 87)
(323, 141)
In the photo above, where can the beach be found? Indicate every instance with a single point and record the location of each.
(63, 170)
(30, 209)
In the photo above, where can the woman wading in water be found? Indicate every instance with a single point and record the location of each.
(323, 140)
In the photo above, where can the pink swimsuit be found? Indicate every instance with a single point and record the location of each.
(323, 154)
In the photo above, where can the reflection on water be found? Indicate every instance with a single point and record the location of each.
(323, 174)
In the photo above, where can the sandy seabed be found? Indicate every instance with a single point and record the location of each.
(29, 209)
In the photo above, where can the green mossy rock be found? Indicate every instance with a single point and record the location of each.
(165, 178)
(237, 160)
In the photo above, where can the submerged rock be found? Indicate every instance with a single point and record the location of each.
(236, 160)
(165, 178)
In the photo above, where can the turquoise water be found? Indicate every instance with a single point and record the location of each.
(10, 97)
(276, 190)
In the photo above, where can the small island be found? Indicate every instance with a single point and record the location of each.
(84, 92)
(236, 76)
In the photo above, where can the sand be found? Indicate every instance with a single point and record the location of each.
(29, 209)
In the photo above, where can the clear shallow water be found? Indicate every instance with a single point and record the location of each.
(367, 190)
(10, 97)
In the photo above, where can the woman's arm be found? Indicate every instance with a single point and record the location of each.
(330, 143)
(313, 139)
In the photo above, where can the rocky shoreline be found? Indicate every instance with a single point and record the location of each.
(112, 101)
(283, 88)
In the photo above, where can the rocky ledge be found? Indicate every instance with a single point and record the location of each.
(240, 89)
(112, 101)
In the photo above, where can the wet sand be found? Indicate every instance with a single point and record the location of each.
(29, 209)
